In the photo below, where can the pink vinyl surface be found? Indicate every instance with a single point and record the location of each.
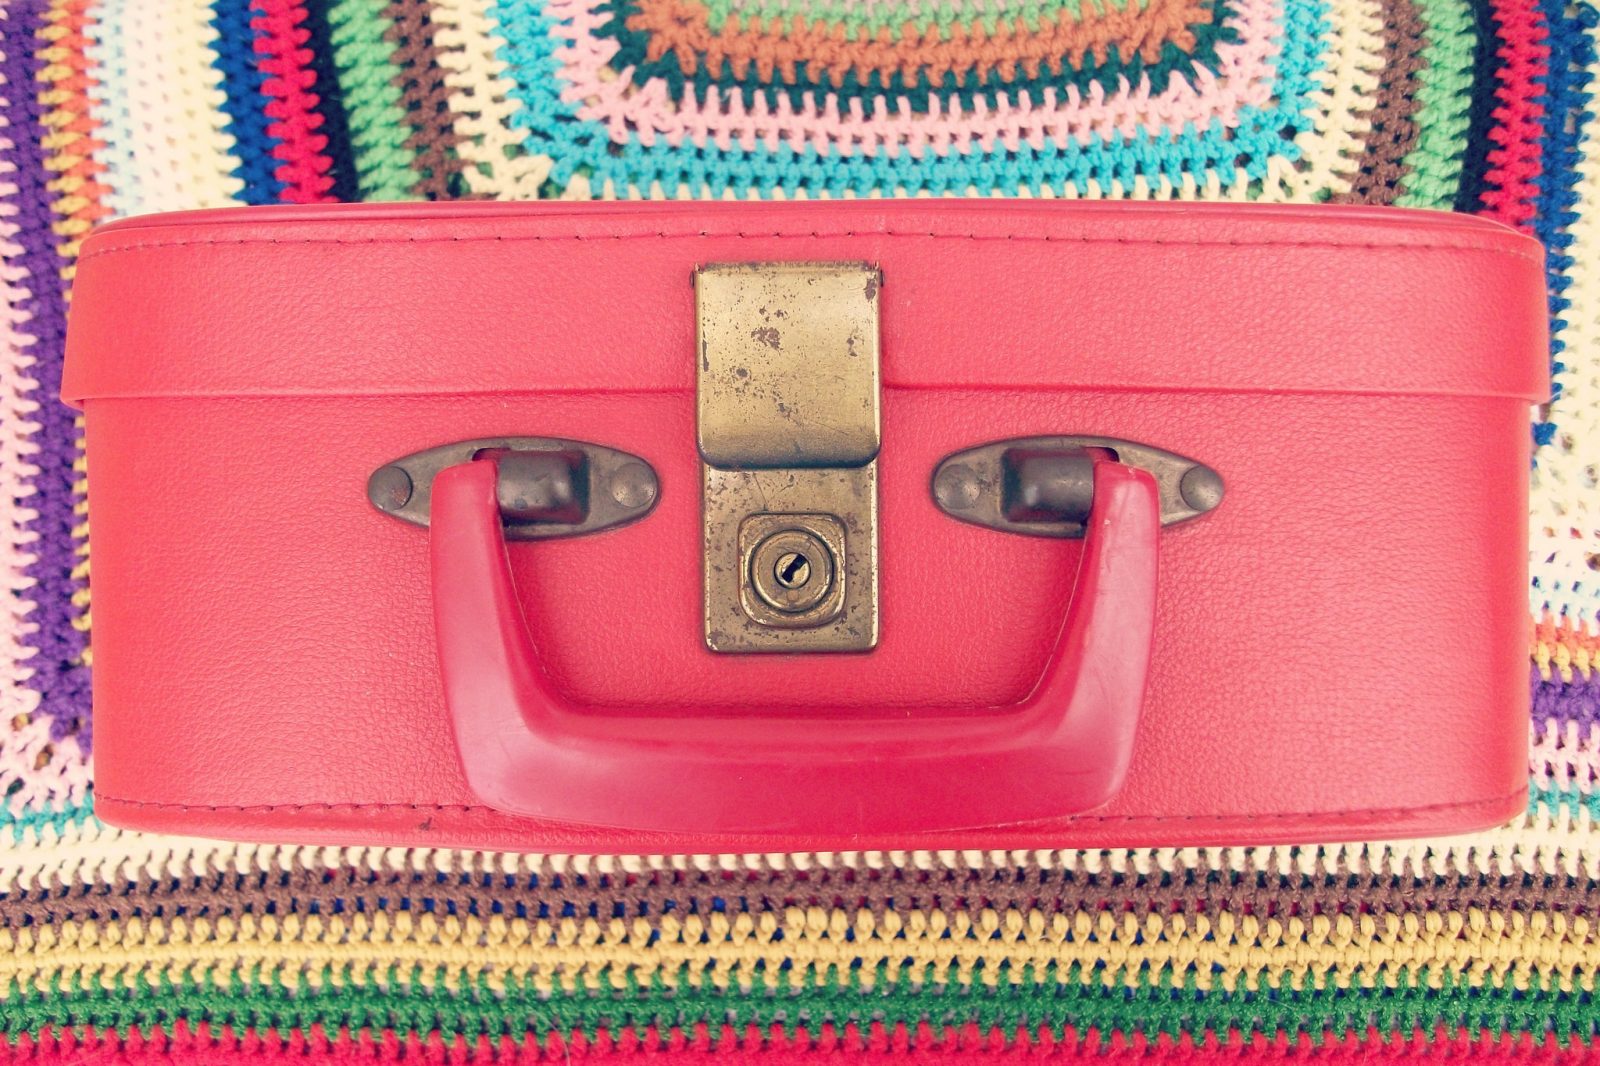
(265, 644)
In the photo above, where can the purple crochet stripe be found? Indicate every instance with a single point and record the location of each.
(1559, 702)
(59, 674)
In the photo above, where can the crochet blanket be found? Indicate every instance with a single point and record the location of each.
(124, 947)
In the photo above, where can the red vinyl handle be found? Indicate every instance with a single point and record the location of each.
(527, 750)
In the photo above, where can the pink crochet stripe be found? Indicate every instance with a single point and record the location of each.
(188, 1043)
(1062, 117)
(16, 471)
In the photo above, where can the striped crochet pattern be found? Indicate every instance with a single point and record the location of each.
(119, 947)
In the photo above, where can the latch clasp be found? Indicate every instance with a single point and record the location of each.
(788, 430)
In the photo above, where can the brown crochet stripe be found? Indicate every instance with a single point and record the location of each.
(1197, 889)
(682, 28)
(1393, 131)
(426, 99)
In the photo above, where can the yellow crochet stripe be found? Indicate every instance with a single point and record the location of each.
(80, 539)
(68, 150)
(468, 47)
(1331, 149)
(1477, 947)
(69, 153)
(1564, 648)
(181, 155)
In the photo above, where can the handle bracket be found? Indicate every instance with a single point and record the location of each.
(547, 486)
(1042, 486)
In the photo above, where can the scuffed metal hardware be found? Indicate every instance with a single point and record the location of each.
(788, 430)
(788, 371)
(792, 564)
(1043, 486)
(548, 486)
(834, 505)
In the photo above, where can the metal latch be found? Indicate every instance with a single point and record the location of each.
(546, 486)
(1044, 486)
(788, 430)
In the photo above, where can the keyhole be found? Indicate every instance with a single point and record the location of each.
(792, 570)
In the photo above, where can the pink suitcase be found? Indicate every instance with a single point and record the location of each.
(680, 527)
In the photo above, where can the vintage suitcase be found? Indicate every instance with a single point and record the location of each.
(689, 527)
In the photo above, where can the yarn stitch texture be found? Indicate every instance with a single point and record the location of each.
(129, 948)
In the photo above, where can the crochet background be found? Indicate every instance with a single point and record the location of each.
(122, 947)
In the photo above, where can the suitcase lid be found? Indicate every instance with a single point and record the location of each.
(597, 297)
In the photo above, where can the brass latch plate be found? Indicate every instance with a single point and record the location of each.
(787, 390)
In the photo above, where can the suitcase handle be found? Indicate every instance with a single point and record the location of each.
(526, 750)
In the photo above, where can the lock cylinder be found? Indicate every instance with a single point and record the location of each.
(791, 571)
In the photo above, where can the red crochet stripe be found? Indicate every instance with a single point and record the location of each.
(1515, 165)
(286, 64)
(202, 1044)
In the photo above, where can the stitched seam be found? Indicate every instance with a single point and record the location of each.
(1431, 246)
(1344, 815)
(1029, 386)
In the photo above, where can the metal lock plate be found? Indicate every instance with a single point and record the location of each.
(787, 390)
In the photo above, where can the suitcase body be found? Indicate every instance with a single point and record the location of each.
(1336, 650)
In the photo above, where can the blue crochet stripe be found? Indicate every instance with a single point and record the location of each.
(245, 102)
(1559, 801)
(1566, 113)
(22, 826)
(552, 127)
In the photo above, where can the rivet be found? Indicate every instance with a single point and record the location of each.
(633, 485)
(1201, 488)
(957, 487)
(389, 488)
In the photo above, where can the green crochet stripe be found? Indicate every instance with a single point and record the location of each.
(385, 167)
(474, 1008)
(859, 21)
(967, 89)
(1433, 166)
